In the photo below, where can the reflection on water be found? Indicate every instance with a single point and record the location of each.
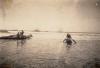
(20, 42)
(48, 52)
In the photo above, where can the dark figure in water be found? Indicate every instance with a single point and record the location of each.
(69, 40)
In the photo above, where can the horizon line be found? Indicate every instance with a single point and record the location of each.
(50, 31)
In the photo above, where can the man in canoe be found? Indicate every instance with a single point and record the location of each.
(69, 40)
(22, 33)
(18, 34)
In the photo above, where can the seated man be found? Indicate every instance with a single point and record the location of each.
(22, 33)
(18, 35)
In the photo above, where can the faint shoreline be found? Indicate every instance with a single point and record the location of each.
(7, 31)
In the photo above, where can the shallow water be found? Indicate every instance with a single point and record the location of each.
(46, 50)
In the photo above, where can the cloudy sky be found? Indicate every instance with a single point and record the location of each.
(53, 15)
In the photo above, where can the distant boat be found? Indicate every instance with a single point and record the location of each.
(16, 38)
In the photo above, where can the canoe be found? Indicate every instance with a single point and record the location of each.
(16, 38)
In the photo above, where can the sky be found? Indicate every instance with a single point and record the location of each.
(51, 15)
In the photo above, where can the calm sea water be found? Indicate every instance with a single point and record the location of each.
(46, 50)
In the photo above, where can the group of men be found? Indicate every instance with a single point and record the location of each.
(20, 34)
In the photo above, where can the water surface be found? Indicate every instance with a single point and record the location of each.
(46, 50)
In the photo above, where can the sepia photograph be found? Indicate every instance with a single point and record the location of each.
(49, 34)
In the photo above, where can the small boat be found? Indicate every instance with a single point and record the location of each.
(16, 37)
